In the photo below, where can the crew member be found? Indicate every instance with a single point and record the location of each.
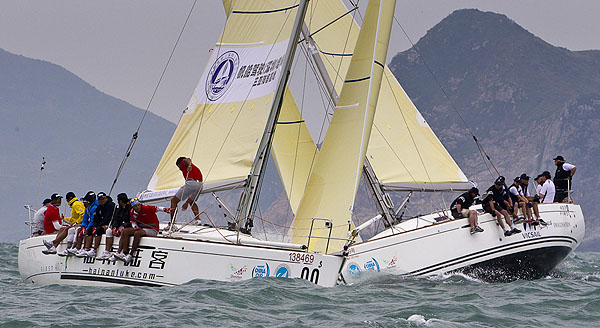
(37, 224)
(562, 179)
(119, 222)
(190, 191)
(490, 205)
(515, 192)
(532, 201)
(91, 205)
(548, 190)
(460, 209)
(53, 222)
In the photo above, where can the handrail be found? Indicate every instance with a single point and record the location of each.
(328, 224)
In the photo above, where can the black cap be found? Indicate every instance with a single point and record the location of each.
(55, 196)
(90, 197)
(539, 176)
(559, 158)
(123, 197)
(499, 180)
(524, 177)
(101, 195)
(46, 201)
(517, 179)
(547, 174)
(70, 195)
(474, 190)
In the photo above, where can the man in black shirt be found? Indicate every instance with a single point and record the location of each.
(460, 209)
(120, 220)
(490, 205)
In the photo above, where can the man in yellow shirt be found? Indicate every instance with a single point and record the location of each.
(77, 210)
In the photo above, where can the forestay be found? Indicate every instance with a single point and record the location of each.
(224, 120)
(334, 180)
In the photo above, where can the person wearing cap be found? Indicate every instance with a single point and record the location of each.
(515, 192)
(562, 179)
(190, 191)
(144, 223)
(548, 190)
(101, 220)
(120, 221)
(53, 223)
(37, 223)
(74, 221)
(532, 201)
(91, 205)
(460, 209)
(490, 205)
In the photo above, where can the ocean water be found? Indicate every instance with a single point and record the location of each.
(569, 297)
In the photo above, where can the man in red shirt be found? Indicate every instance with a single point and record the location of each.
(144, 223)
(53, 223)
(190, 191)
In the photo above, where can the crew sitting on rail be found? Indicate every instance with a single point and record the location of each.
(91, 205)
(515, 192)
(53, 223)
(37, 224)
(532, 201)
(562, 179)
(490, 205)
(102, 217)
(460, 208)
(144, 223)
(70, 223)
(548, 190)
(119, 222)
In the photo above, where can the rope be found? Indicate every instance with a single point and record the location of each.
(135, 134)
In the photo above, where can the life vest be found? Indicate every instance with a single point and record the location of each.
(561, 178)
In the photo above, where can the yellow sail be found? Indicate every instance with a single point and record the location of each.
(403, 150)
(223, 123)
(333, 182)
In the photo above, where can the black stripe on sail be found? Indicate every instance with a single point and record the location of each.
(264, 11)
(291, 122)
(334, 54)
(380, 64)
(357, 80)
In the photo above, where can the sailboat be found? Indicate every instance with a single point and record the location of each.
(227, 130)
(404, 155)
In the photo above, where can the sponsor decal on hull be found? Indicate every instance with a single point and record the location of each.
(282, 271)
(261, 271)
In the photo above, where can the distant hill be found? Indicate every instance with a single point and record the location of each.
(526, 100)
(83, 133)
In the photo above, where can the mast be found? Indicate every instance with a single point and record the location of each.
(249, 196)
(384, 202)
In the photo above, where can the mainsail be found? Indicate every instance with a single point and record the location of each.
(224, 120)
(334, 180)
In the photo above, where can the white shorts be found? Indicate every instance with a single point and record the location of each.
(150, 232)
(190, 190)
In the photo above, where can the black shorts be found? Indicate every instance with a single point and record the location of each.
(560, 195)
(488, 209)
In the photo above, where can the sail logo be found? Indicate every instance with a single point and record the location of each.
(261, 271)
(282, 271)
(372, 265)
(221, 75)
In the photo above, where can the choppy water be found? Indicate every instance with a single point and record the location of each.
(570, 297)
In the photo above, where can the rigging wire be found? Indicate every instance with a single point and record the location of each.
(135, 135)
(482, 151)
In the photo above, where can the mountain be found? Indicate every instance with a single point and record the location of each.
(83, 133)
(525, 100)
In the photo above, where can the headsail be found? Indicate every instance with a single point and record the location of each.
(223, 123)
(403, 151)
(333, 182)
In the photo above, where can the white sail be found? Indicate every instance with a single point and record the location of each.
(223, 123)
(333, 182)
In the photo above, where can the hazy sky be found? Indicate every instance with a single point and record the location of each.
(121, 47)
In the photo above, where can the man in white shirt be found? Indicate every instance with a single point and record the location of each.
(548, 190)
(562, 179)
(37, 224)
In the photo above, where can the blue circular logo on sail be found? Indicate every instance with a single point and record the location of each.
(261, 271)
(221, 75)
(282, 271)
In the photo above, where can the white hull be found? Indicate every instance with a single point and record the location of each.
(423, 248)
(164, 261)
